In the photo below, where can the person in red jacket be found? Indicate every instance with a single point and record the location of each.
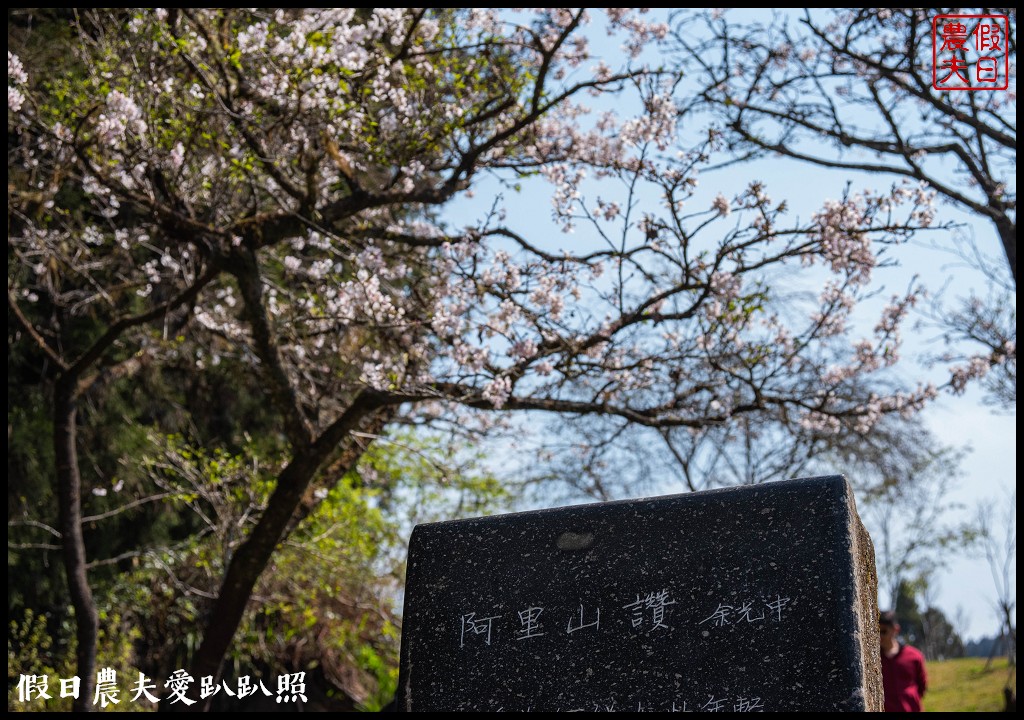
(904, 679)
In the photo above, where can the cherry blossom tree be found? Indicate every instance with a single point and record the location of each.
(980, 336)
(851, 89)
(267, 187)
(862, 81)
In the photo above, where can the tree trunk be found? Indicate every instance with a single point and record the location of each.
(253, 556)
(1008, 235)
(69, 500)
(1011, 635)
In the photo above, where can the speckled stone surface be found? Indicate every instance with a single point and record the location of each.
(757, 598)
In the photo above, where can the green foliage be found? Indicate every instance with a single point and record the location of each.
(428, 478)
(31, 650)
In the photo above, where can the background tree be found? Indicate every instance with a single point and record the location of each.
(942, 640)
(998, 544)
(922, 624)
(260, 191)
(906, 511)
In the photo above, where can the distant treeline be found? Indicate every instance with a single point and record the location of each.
(983, 647)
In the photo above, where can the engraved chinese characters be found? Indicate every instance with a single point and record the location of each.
(749, 599)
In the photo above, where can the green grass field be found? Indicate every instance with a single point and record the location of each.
(963, 685)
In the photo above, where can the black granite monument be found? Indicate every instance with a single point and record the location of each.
(757, 598)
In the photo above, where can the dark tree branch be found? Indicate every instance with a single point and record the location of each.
(245, 268)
